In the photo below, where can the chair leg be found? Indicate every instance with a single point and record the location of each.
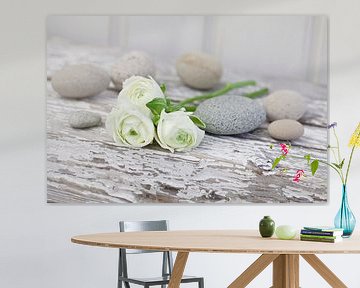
(201, 283)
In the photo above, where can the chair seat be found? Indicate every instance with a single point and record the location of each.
(158, 280)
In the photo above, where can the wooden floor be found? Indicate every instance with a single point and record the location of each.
(85, 166)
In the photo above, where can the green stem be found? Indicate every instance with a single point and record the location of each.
(338, 145)
(334, 154)
(339, 155)
(323, 162)
(348, 167)
(258, 93)
(350, 159)
(228, 87)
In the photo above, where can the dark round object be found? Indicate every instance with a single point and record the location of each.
(267, 227)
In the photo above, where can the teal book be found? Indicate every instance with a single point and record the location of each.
(323, 229)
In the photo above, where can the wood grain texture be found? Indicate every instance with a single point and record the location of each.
(85, 166)
(253, 271)
(178, 270)
(293, 270)
(324, 271)
(286, 271)
(221, 241)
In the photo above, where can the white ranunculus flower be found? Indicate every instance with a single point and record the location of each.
(130, 127)
(177, 132)
(139, 91)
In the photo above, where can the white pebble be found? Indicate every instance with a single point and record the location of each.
(135, 63)
(84, 119)
(285, 104)
(199, 70)
(80, 81)
(286, 129)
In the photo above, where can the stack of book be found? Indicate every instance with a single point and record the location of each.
(321, 234)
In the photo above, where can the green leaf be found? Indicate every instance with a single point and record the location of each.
(156, 119)
(342, 163)
(197, 121)
(339, 166)
(314, 166)
(271, 146)
(157, 105)
(336, 165)
(172, 108)
(308, 158)
(190, 108)
(163, 87)
(276, 162)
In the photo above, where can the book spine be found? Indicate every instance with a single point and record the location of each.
(318, 240)
(318, 236)
(320, 233)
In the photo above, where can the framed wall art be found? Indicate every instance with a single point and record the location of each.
(186, 109)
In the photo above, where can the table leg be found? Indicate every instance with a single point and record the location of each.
(178, 269)
(253, 270)
(324, 271)
(286, 271)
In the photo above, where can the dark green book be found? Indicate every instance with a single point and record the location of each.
(319, 236)
(325, 240)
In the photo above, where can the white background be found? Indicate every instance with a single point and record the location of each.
(35, 248)
(281, 46)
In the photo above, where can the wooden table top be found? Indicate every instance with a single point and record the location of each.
(217, 241)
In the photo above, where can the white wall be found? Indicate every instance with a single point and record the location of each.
(292, 46)
(35, 248)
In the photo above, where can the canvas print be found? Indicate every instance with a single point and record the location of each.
(187, 109)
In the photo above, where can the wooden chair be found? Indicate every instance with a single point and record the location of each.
(167, 262)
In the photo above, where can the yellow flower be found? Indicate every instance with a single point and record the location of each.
(355, 138)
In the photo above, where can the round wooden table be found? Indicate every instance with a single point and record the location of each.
(284, 254)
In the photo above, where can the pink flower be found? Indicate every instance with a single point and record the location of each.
(284, 149)
(298, 175)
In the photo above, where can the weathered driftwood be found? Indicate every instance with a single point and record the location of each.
(85, 166)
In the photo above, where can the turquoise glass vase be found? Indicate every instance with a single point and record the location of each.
(345, 219)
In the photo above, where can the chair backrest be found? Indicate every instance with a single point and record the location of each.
(135, 226)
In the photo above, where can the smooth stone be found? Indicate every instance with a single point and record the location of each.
(84, 119)
(230, 114)
(285, 232)
(135, 63)
(284, 104)
(80, 81)
(199, 70)
(286, 129)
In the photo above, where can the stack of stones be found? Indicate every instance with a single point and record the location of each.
(284, 108)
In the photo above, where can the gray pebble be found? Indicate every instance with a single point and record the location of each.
(285, 104)
(84, 119)
(199, 70)
(135, 63)
(286, 129)
(230, 114)
(79, 81)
